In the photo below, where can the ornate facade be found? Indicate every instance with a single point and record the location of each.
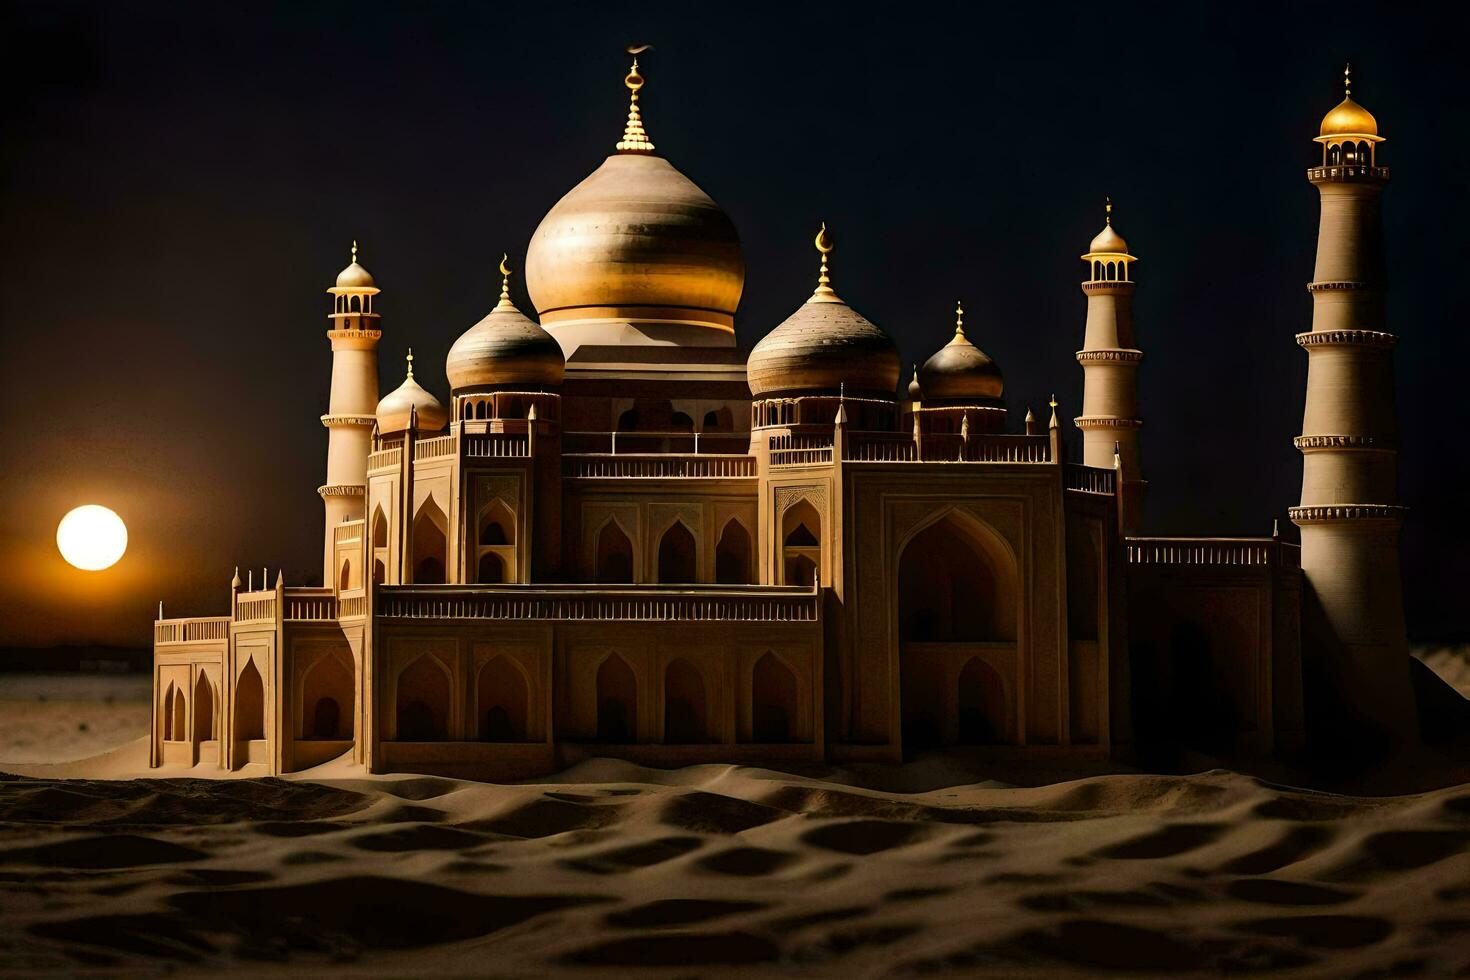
(620, 534)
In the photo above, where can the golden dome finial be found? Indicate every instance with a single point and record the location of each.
(959, 318)
(354, 250)
(1108, 209)
(635, 139)
(824, 246)
(1347, 80)
(504, 276)
(410, 363)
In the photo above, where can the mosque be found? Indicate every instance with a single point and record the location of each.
(618, 533)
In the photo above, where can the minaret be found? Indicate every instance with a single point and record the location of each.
(1109, 359)
(1354, 633)
(349, 420)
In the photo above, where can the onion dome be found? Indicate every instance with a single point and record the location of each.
(505, 348)
(960, 371)
(1108, 241)
(1347, 118)
(916, 392)
(824, 346)
(355, 276)
(636, 241)
(409, 401)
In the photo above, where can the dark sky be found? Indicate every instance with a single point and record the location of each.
(179, 184)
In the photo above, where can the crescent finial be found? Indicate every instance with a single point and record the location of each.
(823, 241)
(504, 264)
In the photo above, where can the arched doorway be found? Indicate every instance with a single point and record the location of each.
(676, 555)
(617, 701)
(423, 701)
(491, 570)
(614, 555)
(327, 699)
(502, 702)
(732, 555)
(956, 588)
(773, 708)
(430, 544)
(249, 705)
(684, 704)
(981, 702)
(801, 544)
(203, 709)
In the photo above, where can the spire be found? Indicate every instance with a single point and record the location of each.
(410, 363)
(1108, 209)
(635, 139)
(505, 303)
(959, 320)
(824, 245)
(354, 250)
(1053, 424)
(1347, 80)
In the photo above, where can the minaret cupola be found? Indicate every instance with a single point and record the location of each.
(410, 405)
(1349, 133)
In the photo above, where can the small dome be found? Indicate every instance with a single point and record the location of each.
(1108, 240)
(505, 348)
(1348, 118)
(396, 407)
(960, 371)
(823, 346)
(355, 277)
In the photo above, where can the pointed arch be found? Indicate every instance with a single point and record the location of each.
(491, 570)
(801, 544)
(344, 581)
(327, 692)
(676, 555)
(497, 524)
(249, 704)
(773, 700)
(422, 701)
(617, 701)
(614, 554)
(733, 554)
(685, 715)
(502, 701)
(203, 709)
(168, 713)
(956, 582)
(380, 528)
(981, 702)
(430, 543)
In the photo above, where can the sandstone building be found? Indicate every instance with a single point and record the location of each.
(618, 533)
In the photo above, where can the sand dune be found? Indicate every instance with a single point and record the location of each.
(610, 869)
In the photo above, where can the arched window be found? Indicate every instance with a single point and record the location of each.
(502, 701)
(380, 529)
(430, 545)
(614, 555)
(681, 422)
(684, 704)
(676, 555)
(801, 549)
(982, 705)
(617, 701)
(773, 708)
(491, 570)
(1334, 155)
(496, 527)
(423, 702)
(327, 680)
(711, 421)
(168, 714)
(732, 555)
(249, 704)
(345, 579)
(380, 572)
(203, 709)
(628, 421)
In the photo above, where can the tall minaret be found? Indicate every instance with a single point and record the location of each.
(1109, 359)
(349, 420)
(1354, 637)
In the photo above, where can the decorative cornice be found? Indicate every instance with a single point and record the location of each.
(341, 490)
(1360, 338)
(1116, 354)
(1346, 173)
(1373, 443)
(1108, 286)
(1348, 285)
(366, 421)
(1106, 422)
(1334, 513)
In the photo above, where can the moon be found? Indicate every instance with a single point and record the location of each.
(92, 537)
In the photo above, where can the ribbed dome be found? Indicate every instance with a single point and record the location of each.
(505, 348)
(355, 276)
(960, 371)
(1348, 118)
(820, 347)
(395, 408)
(636, 239)
(1108, 240)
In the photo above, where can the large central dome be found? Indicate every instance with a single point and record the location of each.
(636, 253)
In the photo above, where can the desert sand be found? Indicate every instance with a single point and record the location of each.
(609, 869)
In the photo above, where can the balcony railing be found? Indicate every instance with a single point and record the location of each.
(167, 631)
(656, 466)
(433, 448)
(385, 458)
(1259, 552)
(255, 607)
(677, 442)
(348, 531)
(627, 603)
(1089, 479)
(311, 606)
(497, 445)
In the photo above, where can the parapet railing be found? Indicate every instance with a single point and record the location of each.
(800, 450)
(352, 605)
(497, 445)
(1089, 479)
(655, 465)
(900, 447)
(310, 606)
(652, 442)
(167, 631)
(627, 603)
(348, 531)
(385, 458)
(255, 607)
(433, 448)
(1260, 552)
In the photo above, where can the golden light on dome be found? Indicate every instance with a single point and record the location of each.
(1348, 119)
(92, 537)
(635, 139)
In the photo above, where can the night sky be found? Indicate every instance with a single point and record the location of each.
(179, 184)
